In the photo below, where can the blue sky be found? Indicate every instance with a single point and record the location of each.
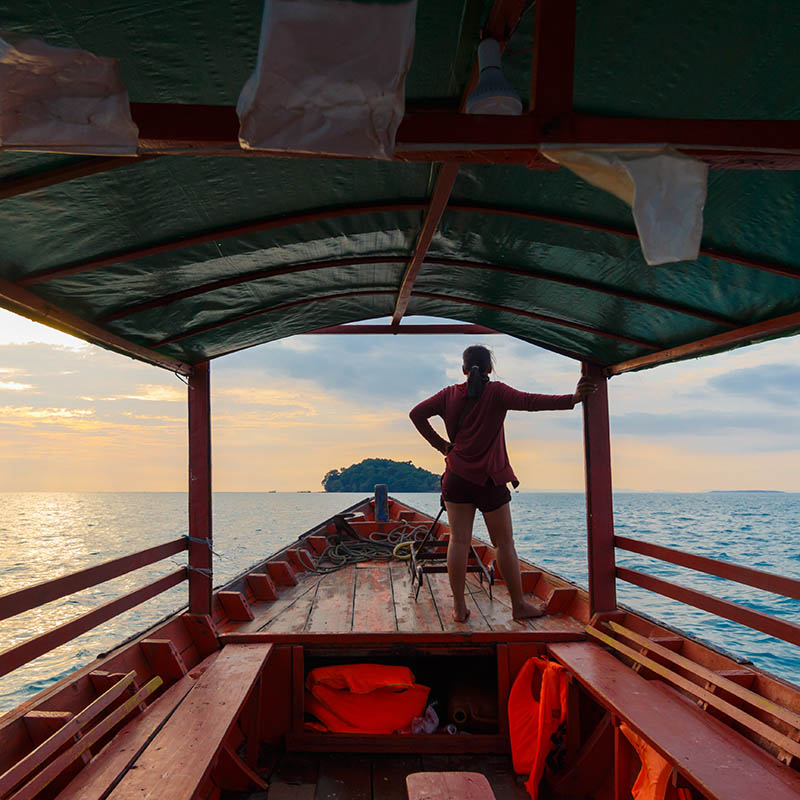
(74, 417)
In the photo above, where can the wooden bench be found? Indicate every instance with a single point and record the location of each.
(719, 762)
(448, 785)
(172, 749)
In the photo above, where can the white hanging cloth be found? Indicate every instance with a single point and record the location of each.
(665, 189)
(62, 100)
(330, 77)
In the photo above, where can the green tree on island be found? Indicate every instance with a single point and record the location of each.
(399, 476)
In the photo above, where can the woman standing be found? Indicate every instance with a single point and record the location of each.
(478, 468)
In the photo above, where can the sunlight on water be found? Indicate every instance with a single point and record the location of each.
(48, 535)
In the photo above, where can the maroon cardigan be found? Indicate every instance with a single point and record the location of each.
(479, 452)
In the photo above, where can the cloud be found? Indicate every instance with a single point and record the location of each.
(259, 396)
(775, 383)
(700, 423)
(153, 393)
(27, 416)
(13, 386)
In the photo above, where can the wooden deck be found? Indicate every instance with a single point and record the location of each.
(309, 776)
(378, 598)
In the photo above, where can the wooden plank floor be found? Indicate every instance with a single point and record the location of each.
(378, 597)
(328, 776)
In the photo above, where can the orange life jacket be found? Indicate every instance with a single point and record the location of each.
(652, 781)
(537, 707)
(364, 698)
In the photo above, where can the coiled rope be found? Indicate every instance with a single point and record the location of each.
(378, 547)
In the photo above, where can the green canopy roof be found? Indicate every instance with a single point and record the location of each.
(190, 256)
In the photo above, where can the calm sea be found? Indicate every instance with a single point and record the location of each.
(48, 535)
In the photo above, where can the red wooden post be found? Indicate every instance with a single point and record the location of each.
(599, 506)
(200, 577)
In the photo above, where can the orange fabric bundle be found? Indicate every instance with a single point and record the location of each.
(360, 678)
(364, 698)
(537, 707)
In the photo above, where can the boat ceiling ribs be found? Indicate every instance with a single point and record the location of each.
(367, 261)
(257, 226)
(190, 253)
(505, 309)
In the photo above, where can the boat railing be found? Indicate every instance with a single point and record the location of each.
(38, 595)
(757, 620)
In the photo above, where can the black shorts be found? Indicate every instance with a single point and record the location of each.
(485, 498)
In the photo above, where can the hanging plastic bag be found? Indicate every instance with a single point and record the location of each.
(330, 77)
(62, 100)
(665, 189)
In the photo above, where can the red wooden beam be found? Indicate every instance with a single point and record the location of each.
(257, 226)
(449, 135)
(51, 177)
(21, 654)
(772, 626)
(21, 301)
(599, 500)
(445, 180)
(15, 603)
(788, 587)
(553, 61)
(739, 336)
(200, 532)
(540, 317)
(475, 330)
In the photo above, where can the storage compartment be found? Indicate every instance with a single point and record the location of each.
(463, 689)
(468, 685)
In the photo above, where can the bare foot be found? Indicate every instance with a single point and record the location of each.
(527, 611)
(461, 616)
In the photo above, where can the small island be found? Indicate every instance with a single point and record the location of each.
(399, 476)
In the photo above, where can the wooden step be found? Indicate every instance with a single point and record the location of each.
(163, 658)
(298, 561)
(203, 632)
(262, 586)
(42, 725)
(559, 599)
(236, 606)
(282, 573)
(529, 580)
(744, 677)
(319, 544)
(102, 681)
(674, 643)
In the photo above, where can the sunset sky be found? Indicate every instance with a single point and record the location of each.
(74, 417)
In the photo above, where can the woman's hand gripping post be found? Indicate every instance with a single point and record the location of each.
(585, 387)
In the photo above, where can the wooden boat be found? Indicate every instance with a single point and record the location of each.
(214, 705)
(193, 248)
